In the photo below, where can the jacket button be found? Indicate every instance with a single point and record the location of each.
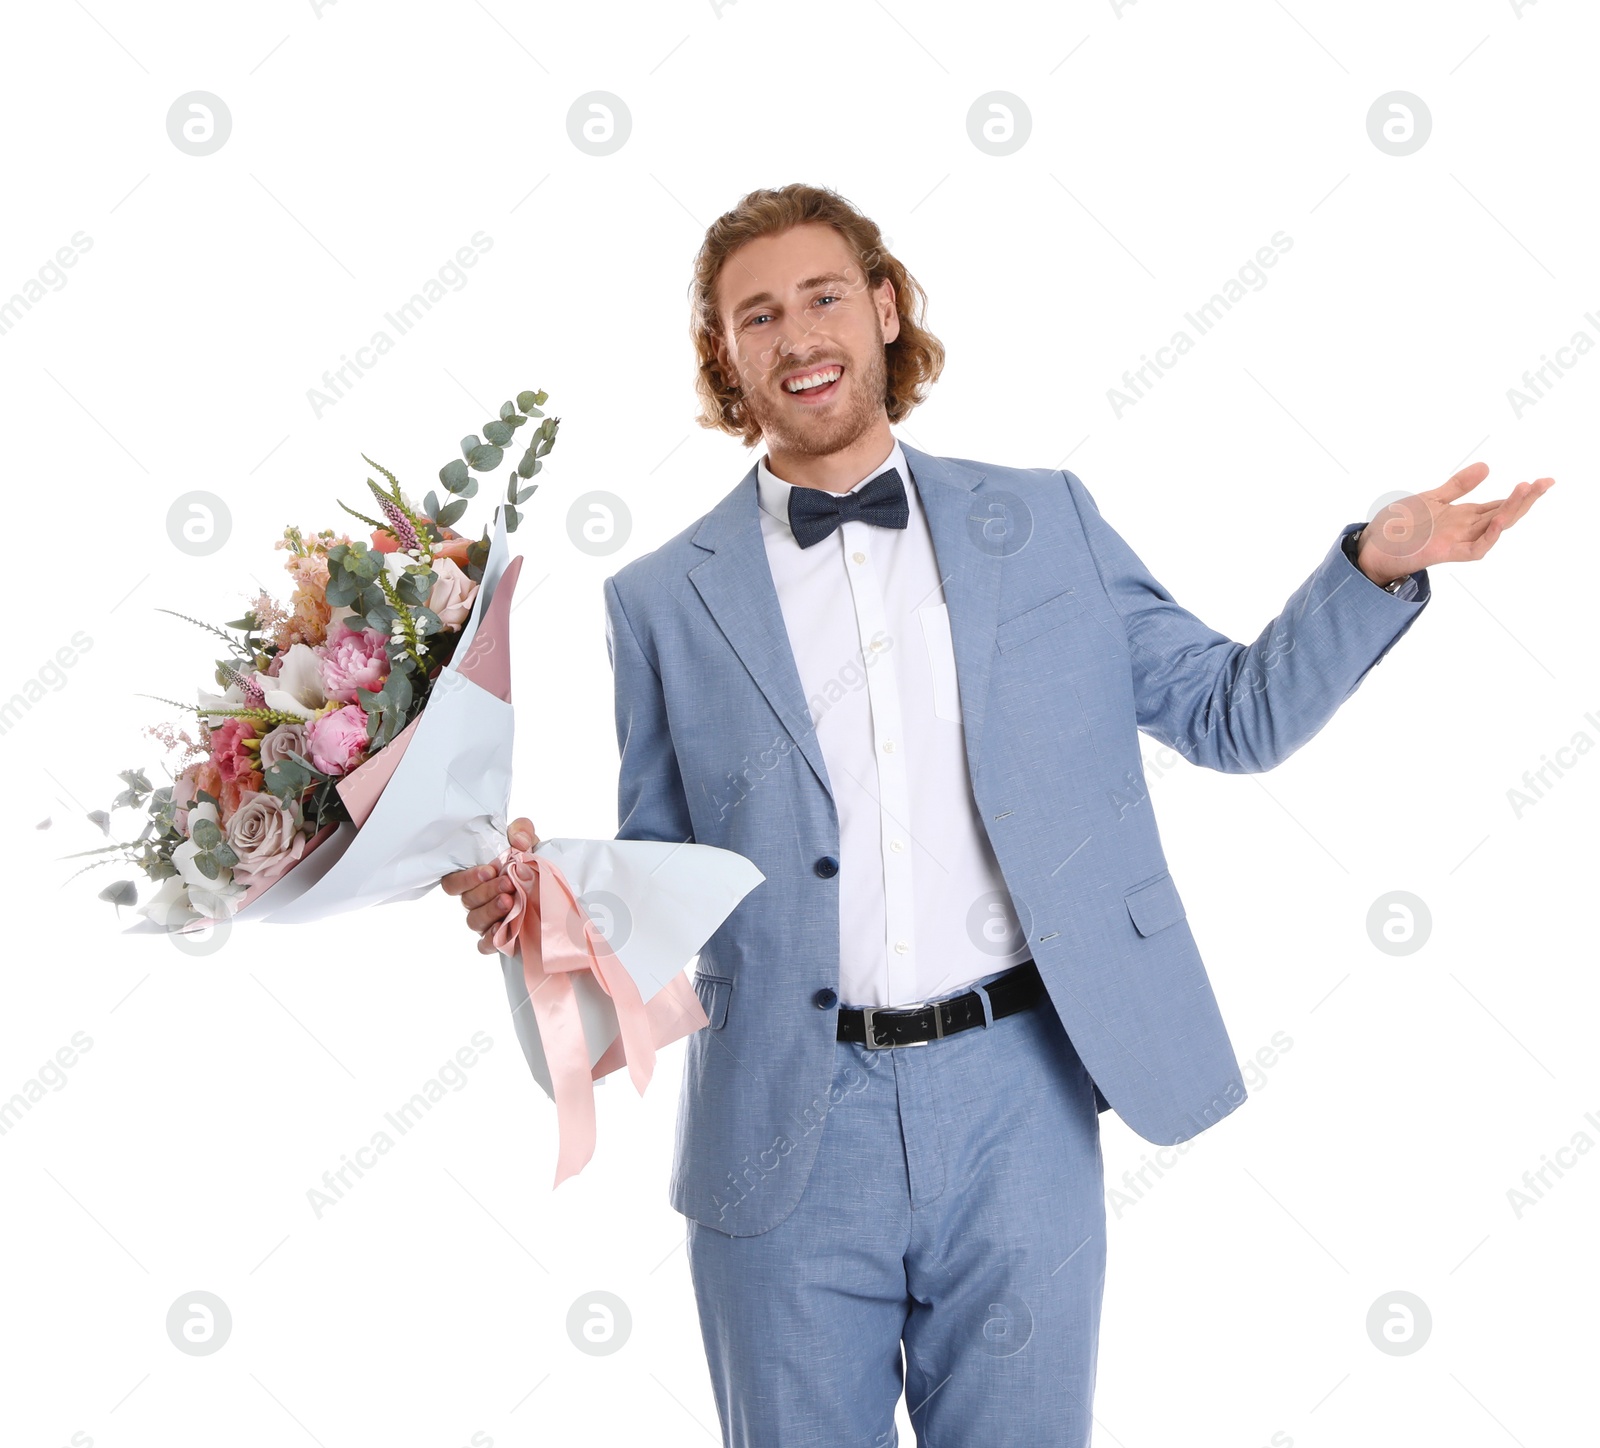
(825, 999)
(827, 867)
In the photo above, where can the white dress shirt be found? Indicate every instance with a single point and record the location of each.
(923, 909)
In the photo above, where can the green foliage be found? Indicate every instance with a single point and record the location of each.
(484, 454)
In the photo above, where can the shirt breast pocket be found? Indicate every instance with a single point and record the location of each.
(941, 655)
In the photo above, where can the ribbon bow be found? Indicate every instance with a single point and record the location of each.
(555, 936)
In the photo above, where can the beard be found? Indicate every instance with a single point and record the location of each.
(816, 434)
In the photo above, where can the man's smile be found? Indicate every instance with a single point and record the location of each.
(815, 386)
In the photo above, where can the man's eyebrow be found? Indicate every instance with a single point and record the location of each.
(803, 286)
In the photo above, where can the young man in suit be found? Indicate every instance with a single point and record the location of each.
(909, 688)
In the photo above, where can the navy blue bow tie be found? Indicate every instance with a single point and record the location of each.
(814, 512)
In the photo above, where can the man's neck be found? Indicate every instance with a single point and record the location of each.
(835, 472)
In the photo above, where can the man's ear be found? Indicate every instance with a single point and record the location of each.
(888, 313)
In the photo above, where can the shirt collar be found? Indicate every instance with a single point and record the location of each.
(773, 492)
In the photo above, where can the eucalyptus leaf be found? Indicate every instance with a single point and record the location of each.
(497, 433)
(207, 866)
(523, 494)
(530, 461)
(206, 834)
(341, 590)
(484, 457)
(430, 504)
(124, 892)
(467, 444)
(526, 401)
(415, 587)
(450, 512)
(454, 473)
(101, 818)
(513, 517)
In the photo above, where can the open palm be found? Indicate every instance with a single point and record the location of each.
(1432, 527)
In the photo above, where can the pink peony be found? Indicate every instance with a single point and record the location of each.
(338, 740)
(228, 748)
(352, 660)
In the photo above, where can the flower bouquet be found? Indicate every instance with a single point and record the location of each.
(360, 748)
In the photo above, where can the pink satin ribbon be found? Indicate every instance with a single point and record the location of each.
(555, 937)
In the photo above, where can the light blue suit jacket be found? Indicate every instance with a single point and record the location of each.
(1065, 647)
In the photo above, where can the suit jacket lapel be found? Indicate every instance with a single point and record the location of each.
(735, 584)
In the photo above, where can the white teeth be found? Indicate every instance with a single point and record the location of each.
(816, 379)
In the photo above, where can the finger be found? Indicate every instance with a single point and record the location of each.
(483, 894)
(491, 914)
(1459, 483)
(521, 834)
(459, 881)
(486, 945)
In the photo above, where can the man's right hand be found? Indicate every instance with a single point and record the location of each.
(485, 893)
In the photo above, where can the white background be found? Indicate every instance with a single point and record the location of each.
(1168, 143)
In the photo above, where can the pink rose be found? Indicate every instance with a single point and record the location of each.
(452, 594)
(352, 660)
(228, 748)
(338, 740)
(266, 835)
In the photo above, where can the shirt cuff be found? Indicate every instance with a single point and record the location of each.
(1408, 588)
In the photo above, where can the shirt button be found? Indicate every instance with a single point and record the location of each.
(858, 556)
(827, 867)
(825, 999)
(888, 746)
(897, 846)
(901, 948)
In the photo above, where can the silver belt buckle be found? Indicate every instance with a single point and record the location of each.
(873, 1044)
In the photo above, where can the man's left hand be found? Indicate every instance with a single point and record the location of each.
(1431, 527)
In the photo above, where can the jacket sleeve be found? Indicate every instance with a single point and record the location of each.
(650, 798)
(1237, 708)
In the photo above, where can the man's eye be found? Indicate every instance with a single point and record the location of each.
(829, 297)
(750, 322)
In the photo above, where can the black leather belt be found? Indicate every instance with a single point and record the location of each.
(880, 1027)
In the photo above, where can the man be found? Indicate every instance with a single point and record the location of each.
(909, 689)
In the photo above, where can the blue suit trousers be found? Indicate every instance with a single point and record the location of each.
(956, 1207)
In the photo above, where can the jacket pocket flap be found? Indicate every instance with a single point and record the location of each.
(1154, 905)
(714, 991)
(1047, 615)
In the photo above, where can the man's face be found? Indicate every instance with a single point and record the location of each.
(796, 305)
